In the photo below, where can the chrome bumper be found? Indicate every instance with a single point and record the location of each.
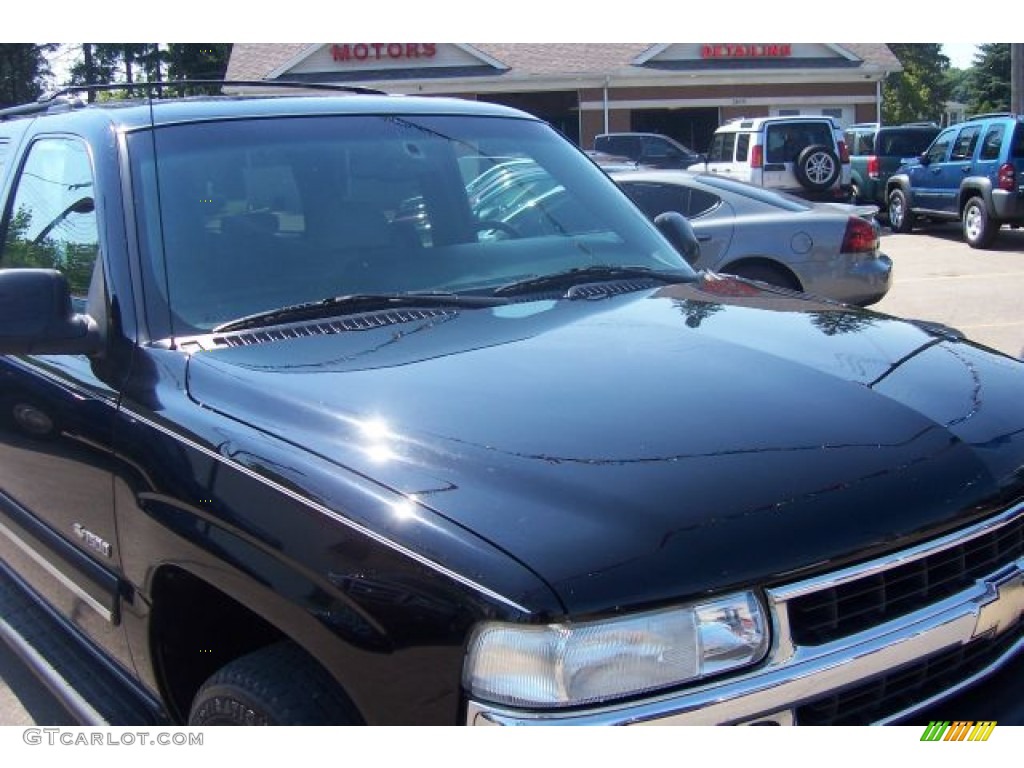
(793, 674)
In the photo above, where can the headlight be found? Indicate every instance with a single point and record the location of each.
(564, 665)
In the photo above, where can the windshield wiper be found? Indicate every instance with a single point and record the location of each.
(597, 273)
(356, 302)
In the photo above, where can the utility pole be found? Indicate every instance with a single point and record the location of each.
(1017, 78)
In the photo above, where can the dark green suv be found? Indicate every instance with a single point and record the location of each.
(877, 151)
(972, 172)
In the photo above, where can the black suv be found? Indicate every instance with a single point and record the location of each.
(654, 150)
(876, 151)
(300, 424)
(972, 172)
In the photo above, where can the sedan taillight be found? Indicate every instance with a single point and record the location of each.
(860, 237)
(1007, 177)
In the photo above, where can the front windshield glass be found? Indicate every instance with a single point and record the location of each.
(244, 216)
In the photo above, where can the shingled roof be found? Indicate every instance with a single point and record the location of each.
(255, 61)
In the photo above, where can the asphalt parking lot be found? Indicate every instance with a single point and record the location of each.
(937, 278)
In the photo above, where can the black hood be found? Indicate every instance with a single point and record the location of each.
(653, 445)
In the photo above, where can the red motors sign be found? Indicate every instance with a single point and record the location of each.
(382, 51)
(747, 51)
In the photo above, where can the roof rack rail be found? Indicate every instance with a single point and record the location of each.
(45, 103)
(68, 97)
(986, 115)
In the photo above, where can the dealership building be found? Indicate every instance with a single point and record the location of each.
(684, 90)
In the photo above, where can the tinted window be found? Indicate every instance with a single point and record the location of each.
(627, 146)
(742, 147)
(653, 198)
(658, 147)
(963, 147)
(785, 141)
(940, 147)
(722, 147)
(769, 197)
(1017, 151)
(51, 222)
(860, 142)
(992, 143)
(898, 143)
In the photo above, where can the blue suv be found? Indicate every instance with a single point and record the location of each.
(972, 172)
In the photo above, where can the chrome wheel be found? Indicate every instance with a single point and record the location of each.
(820, 168)
(899, 215)
(972, 222)
(979, 230)
(896, 211)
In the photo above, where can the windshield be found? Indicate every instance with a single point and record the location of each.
(244, 216)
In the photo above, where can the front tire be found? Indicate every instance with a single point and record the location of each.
(901, 220)
(276, 685)
(979, 229)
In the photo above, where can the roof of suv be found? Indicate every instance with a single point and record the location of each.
(891, 140)
(141, 113)
(755, 123)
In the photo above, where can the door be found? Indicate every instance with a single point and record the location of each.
(926, 176)
(721, 161)
(959, 166)
(714, 232)
(56, 415)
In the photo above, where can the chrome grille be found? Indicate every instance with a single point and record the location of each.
(903, 688)
(851, 607)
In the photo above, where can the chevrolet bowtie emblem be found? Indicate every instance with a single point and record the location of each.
(1005, 609)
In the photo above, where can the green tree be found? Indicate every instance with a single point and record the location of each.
(96, 64)
(131, 63)
(958, 81)
(990, 79)
(197, 61)
(921, 90)
(23, 71)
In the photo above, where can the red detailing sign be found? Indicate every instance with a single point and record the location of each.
(382, 51)
(747, 51)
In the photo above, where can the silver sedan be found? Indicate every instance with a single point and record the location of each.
(828, 249)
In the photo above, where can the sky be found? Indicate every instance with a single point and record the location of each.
(961, 55)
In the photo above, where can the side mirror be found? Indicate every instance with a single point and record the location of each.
(924, 160)
(678, 231)
(36, 317)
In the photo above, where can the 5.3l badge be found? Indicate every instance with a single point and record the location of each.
(92, 541)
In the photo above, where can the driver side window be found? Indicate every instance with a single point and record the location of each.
(51, 223)
(940, 147)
